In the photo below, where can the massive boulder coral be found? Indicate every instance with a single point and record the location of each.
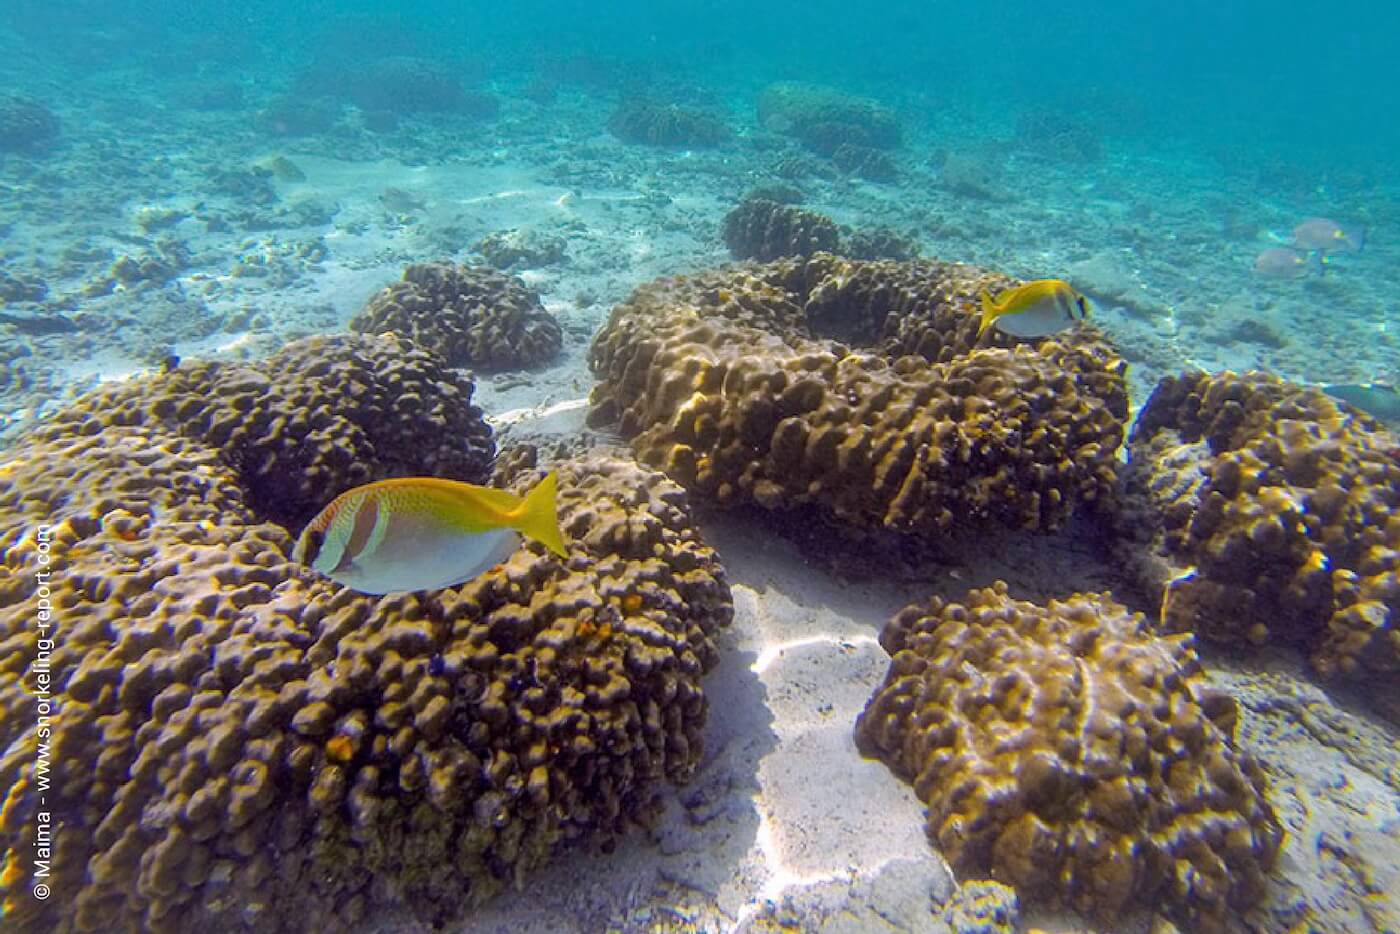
(472, 315)
(323, 413)
(825, 118)
(657, 124)
(1275, 507)
(766, 230)
(1068, 751)
(730, 382)
(242, 744)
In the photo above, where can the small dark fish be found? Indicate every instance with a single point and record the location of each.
(1379, 399)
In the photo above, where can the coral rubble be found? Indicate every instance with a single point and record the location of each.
(517, 247)
(1068, 751)
(237, 743)
(743, 384)
(472, 315)
(1276, 508)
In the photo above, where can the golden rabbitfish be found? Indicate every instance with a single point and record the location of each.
(424, 533)
(1033, 310)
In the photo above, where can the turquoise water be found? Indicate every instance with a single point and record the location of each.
(201, 209)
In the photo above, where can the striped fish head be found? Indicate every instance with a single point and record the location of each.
(340, 533)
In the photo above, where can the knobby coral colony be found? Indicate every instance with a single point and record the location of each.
(1070, 752)
(655, 124)
(766, 230)
(471, 315)
(1280, 507)
(240, 743)
(743, 384)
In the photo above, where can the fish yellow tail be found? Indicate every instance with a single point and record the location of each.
(989, 312)
(539, 516)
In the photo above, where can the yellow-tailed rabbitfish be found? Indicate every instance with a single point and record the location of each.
(1034, 309)
(1328, 236)
(422, 533)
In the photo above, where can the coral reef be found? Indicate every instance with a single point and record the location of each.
(797, 167)
(781, 192)
(1275, 506)
(730, 382)
(970, 176)
(982, 906)
(1068, 751)
(293, 115)
(26, 126)
(321, 414)
(403, 85)
(16, 288)
(654, 124)
(865, 162)
(244, 745)
(505, 249)
(825, 118)
(764, 230)
(1058, 135)
(472, 315)
(878, 243)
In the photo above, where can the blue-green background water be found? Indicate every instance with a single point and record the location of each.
(1283, 79)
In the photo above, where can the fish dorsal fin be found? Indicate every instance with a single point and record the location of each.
(463, 506)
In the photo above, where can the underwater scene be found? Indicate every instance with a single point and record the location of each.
(642, 468)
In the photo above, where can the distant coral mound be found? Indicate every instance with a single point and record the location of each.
(826, 119)
(1059, 135)
(242, 744)
(861, 389)
(471, 315)
(1068, 751)
(390, 87)
(26, 126)
(656, 124)
(865, 162)
(1276, 508)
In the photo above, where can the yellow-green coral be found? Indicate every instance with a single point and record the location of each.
(1283, 525)
(1068, 751)
(471, 315)
(244, 744)
(728, 381)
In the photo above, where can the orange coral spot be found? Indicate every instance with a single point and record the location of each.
(632, 603)
(12, 800)
(12, 873)
(340, 749)
(605, 630)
